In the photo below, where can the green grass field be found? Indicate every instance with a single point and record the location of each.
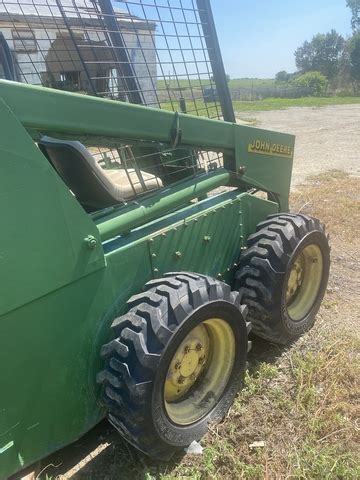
(282, 103)
(265, 104)
(233, 83)
(251, 82)
(209, 109)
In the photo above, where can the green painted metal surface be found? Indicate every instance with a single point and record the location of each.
(58, 296)
(152, 206)
(34, 199)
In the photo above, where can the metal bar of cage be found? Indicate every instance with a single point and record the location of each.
(92, 88)
(120, 51)
(212, 42)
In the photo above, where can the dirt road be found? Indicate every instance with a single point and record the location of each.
(326, 137)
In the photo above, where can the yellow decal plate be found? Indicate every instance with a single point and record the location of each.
(267, 148)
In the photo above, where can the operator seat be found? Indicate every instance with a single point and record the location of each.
(92, 185)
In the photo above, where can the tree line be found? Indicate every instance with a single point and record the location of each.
(328, 59)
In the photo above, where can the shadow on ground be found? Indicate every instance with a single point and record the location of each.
(102, 454)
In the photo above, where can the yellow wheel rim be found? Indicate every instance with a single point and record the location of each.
(199, 371)
(304, 282)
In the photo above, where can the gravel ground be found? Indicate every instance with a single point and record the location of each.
(326, 137)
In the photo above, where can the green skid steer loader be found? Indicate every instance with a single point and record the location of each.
(138, 249)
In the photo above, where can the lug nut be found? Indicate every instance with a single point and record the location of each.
(177, 365)
(198, 347)
(201, 360)
(187, 349)
(181, 380)
(192, 377)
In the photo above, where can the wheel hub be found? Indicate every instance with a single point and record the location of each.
(295, 278)
(187, 364)
(304, 282)
(199, 371)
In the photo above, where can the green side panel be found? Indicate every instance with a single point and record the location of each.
(254, 211)
(50, 355)
(208, 243)
(265, 167)
(42, 246)
(47, 396)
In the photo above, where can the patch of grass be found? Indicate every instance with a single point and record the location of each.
(251, 82)
(304, 407)
(211, 109)
(323, 463)
(198, 108)
(333, 196)
(328, 176)
(283, 103)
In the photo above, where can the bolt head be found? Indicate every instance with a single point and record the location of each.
(199, 347)
(187, 349)
(177, 365)
(91, 242)
(181, 380)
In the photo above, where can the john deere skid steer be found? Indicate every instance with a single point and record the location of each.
(139, 246)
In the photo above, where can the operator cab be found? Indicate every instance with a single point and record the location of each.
(93, 186)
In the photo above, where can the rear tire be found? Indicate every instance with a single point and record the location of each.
(176, 363)
(283, 276)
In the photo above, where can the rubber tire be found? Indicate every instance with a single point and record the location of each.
(264, 269)
(136, 361)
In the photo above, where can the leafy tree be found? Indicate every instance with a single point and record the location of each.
(354, 51)
(316, 82)
(282, 76)
(354, 6)
(322, 54)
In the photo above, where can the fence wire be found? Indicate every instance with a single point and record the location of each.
(152, 52)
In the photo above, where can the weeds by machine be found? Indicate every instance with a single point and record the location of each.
(129, 290)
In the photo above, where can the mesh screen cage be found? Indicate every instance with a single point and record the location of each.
(157, 53)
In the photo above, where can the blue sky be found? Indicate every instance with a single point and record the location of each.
(258, 37)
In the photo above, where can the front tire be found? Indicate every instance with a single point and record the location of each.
(176, 363)
(283, 276)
